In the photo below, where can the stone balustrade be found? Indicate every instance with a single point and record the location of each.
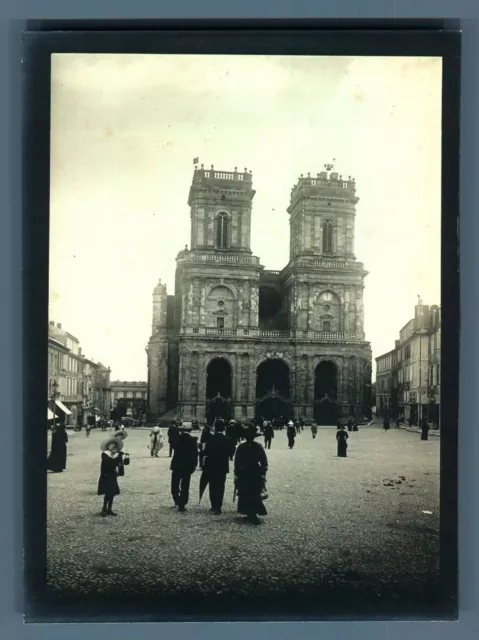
(270, 334)
(217, 257)
(329, 264)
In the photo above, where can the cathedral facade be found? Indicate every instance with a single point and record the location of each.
(241, 341)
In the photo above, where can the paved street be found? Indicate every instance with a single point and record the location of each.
(368, 522)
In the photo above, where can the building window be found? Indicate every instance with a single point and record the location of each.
(326, 326)
(328, 237)
(129, 394)
(196, 330)
(222, 231)
(220, 323)
(138, 394)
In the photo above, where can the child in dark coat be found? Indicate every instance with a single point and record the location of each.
(112, 465)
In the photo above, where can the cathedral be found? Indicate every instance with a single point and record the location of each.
(240, 341)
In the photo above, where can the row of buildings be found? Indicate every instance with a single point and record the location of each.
(408, 378)
(79, 388)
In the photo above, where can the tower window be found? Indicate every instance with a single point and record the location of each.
(328, 237)
(220, 323)
(222, 231)
(326, 326)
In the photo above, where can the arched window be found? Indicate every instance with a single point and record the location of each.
(222, 231)
(328, 237)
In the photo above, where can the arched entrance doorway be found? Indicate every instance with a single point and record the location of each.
(326, 393)
(218, 390)
(273, 390)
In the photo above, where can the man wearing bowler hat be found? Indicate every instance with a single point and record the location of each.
(183, 465)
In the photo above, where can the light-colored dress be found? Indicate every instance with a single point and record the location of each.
(156, 443)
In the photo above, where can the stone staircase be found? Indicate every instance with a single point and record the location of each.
(166, 419)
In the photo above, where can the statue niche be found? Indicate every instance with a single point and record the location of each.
(220, 308)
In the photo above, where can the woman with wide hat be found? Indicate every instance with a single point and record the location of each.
(251, 466)
(112, 466)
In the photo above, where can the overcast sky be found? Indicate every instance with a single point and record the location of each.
(125, 130)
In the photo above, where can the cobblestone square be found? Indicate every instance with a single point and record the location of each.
(369, 521)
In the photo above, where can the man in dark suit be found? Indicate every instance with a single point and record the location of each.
(172, 436)
(268, 433)
(183, 464)
(218, 452)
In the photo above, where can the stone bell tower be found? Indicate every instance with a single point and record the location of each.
(322, 212)
(221, 204)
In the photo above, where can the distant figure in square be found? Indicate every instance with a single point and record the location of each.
(268, 433)
(291, 434)
(386, 424)
(205, 436)
(156, 442)
(355, 425)
(172, 436)
(314, 430)
(231, 431)
(424, 429)
(342, 438)
(350, 424)
(57, 460)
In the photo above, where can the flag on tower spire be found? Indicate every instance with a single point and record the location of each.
(196, 160)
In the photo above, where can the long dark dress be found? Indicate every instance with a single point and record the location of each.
(57, 460)
(108, 482)
(342, 437)
(251, 464)
(424, 431)
(291, 433)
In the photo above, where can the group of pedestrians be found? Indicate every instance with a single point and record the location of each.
(218, 446)
(214, 453)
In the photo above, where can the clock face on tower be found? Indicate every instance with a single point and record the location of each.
(326, 297)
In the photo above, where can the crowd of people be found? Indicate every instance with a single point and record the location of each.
(218, 445)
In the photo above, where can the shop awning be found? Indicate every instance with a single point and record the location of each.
(61, 406)
(51, 415)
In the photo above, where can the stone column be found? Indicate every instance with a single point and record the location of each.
(251, 406)
(189, 304)
(202, 303)
(310, 308)
(254, 305)
(236, 395)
